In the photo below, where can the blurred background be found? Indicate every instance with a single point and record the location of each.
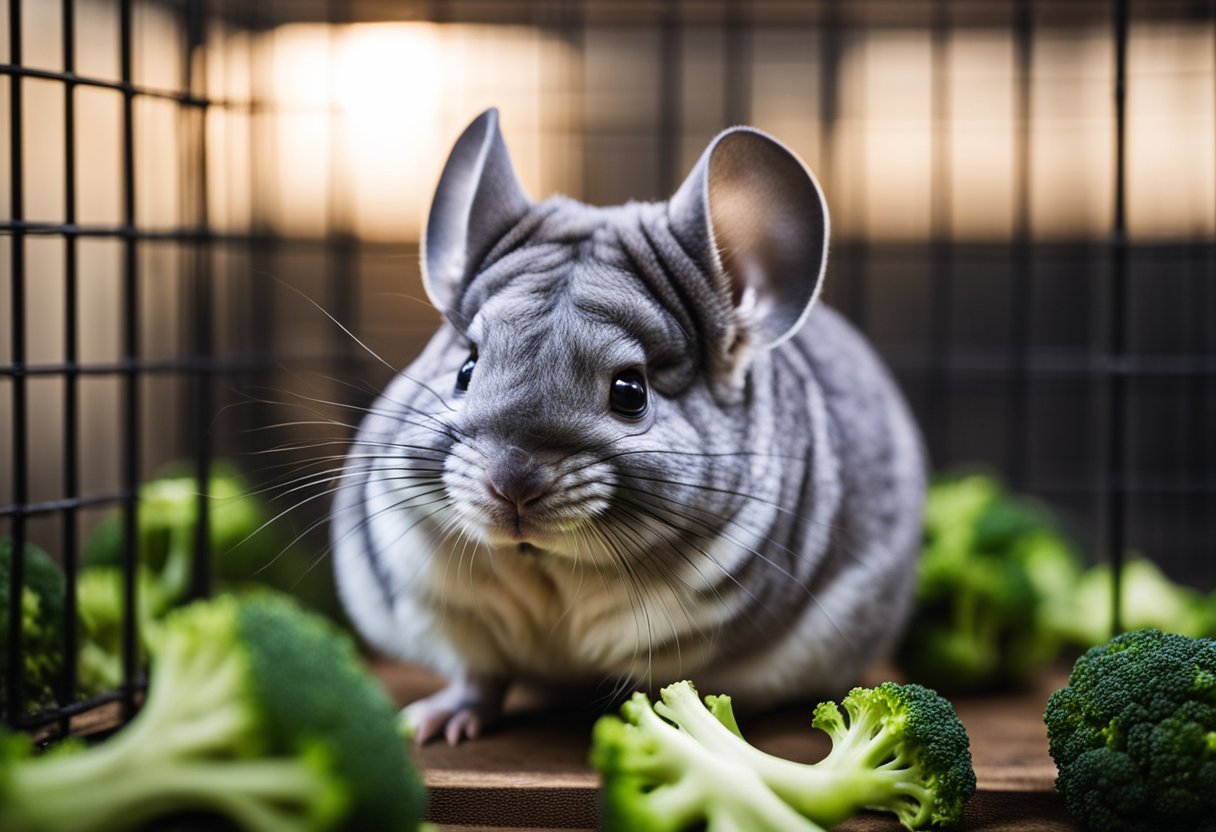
(1023, 197)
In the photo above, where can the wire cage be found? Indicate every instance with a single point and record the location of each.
(208, 200)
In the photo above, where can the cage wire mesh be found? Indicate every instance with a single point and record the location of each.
(201, 191)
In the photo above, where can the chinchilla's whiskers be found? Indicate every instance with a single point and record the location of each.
(634, 593)
(365, 347)
(296, 446)
(298, 470)
(694, 454)
(676, 544)
(576, 540)
(325, 551)
(311, 526)
(285, 487)
(839, 533)
(442, 523)
(393, 412)
(432, 423)
(755, 620)
(329, 491)
(660, 572)
(676, 547)
(712, 530)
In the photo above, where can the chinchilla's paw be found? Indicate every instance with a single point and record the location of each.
(458, 712)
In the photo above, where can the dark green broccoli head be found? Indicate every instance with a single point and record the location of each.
(1133, 734)
(256, 711)
(42, 612)
(936, 738)
(311, 683)
(908, 729)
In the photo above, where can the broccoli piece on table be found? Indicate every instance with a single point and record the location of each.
(256, 711)
(1133, 734)
(42, 604)
(681, 764)
(993, 588)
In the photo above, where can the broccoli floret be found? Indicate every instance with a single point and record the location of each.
(42, 600)
(1149, 599)
(168, 517)
(256, 710)
(681, 764)
(993, 588)
(246, 546)
(100, 597)
(1133, 734)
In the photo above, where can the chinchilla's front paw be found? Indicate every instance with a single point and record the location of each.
(460, 711)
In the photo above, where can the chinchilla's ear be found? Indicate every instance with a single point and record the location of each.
(755, 218)
(477, 201)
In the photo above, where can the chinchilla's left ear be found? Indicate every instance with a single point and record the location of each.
(477, 200)
(754, 217)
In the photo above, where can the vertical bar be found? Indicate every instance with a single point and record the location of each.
(736, 63)
(1209, 397)
(569, 91)
(131, 432)
(71, 385)
(14, 687)
(938, 386)
(670, 116)
(343, 274)
(195, 172)
(262, 187)
(1116, 474)
(833, 35)
(1021, 300)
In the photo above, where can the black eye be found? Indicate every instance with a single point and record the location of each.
(628, 396)
(466, 372)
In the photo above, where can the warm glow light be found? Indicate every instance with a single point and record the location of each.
(366, 113)
(387, 88)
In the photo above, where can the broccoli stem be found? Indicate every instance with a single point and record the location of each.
(856, 774)
(86, 792)
(706, 779)
(166, 759)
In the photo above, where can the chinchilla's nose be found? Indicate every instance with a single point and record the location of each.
(518, 478)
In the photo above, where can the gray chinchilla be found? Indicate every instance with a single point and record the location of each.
(633, 452)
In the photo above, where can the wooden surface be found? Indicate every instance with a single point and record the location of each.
(531, 771)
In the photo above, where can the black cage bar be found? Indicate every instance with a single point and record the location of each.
(1077, 359)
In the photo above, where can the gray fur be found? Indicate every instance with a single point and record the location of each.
(755, 531)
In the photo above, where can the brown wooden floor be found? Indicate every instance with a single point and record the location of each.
(531, 771)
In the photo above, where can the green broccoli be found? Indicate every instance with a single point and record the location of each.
(168, 518)
(993, 586)
(1149, 599)
(681, 764)
(246, 546)
(100, 601)
(256, 711)
(42, 605)
(1133, 734)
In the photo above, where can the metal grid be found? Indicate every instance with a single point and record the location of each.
(1111, 389)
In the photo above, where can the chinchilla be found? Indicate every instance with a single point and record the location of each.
(636, 451)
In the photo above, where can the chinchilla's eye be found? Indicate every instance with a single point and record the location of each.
(629, 396)
(466, 372)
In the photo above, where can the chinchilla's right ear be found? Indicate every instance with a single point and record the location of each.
(477, 201)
